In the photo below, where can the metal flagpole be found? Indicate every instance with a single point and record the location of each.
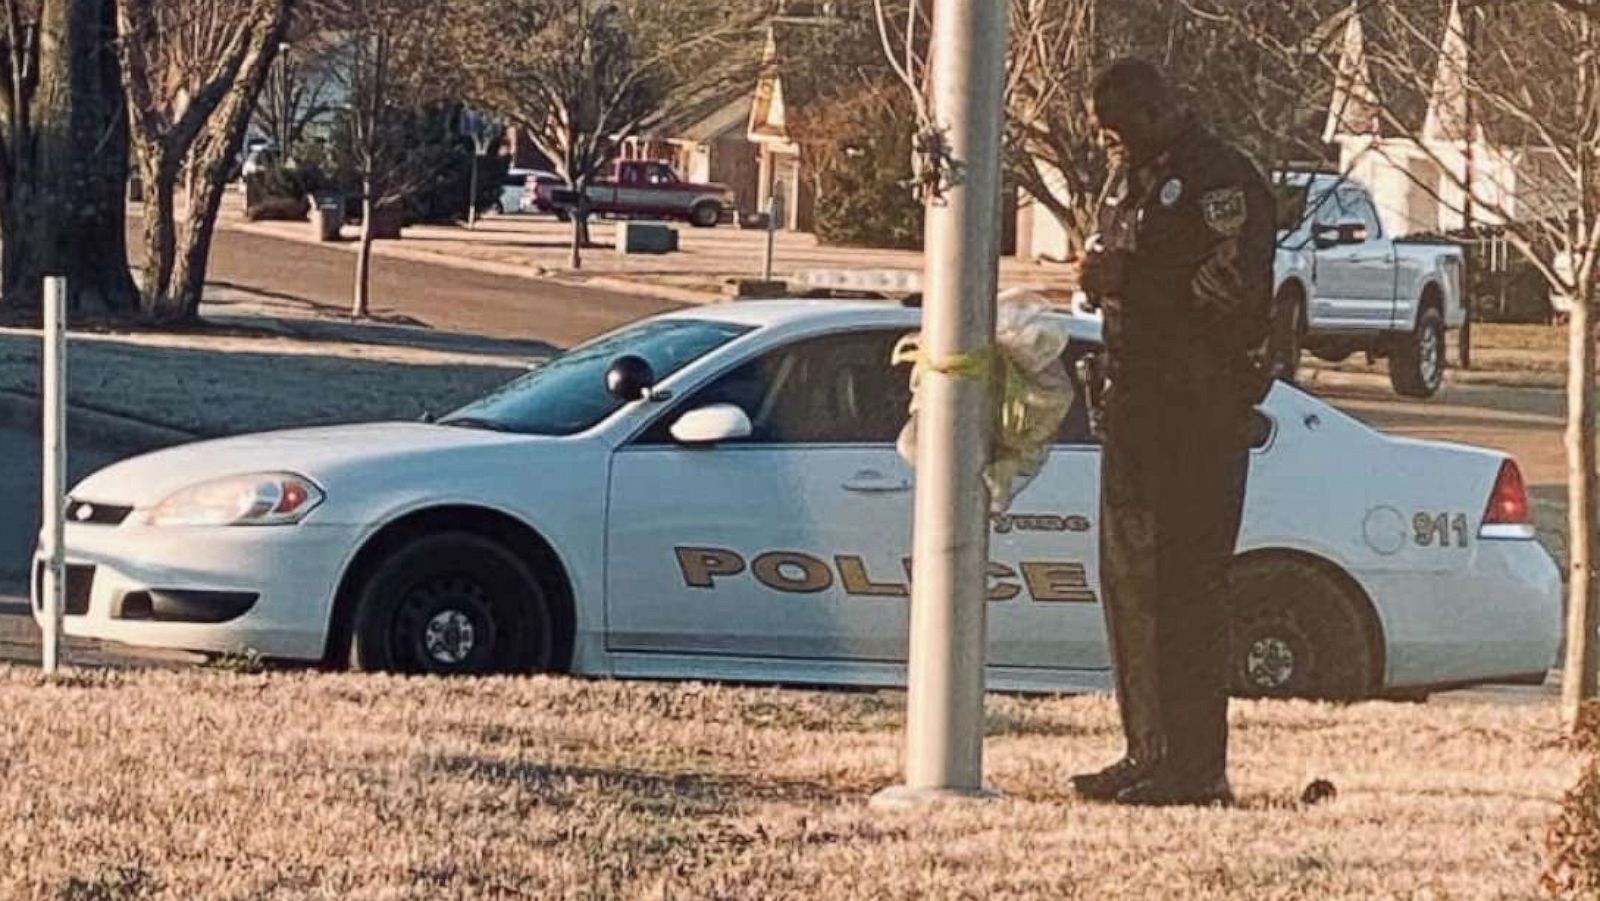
(950, 547)
(54, 467)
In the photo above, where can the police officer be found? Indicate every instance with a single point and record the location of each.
(1183, 273)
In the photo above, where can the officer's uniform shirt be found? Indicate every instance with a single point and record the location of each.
(1197, 227)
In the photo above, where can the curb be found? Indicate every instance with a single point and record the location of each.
(392, 250)
(1313, 377)
(113, 431)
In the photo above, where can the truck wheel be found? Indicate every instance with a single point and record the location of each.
(1297, 632)
(1288, 334)
(1416, 365)
(563, 216)
(706, 213)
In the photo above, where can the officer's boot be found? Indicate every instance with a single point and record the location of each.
(1168, 787)
(1108, 783)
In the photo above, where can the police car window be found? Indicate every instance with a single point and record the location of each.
(1075, 428)
(836, 389)
(568, 394)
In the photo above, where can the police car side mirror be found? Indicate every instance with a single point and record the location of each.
(630, 378)
(713, 424)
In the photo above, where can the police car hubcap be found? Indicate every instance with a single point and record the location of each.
(1270, 662)
(449, 637)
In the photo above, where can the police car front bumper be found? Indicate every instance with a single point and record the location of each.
(267, 590)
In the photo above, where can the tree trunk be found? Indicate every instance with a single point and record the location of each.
(75, 208)
(361, 305)
(1579, 674)
(580, 222)
(188, 283)
(160, 238)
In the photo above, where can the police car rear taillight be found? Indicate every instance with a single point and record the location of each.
(1508, 514)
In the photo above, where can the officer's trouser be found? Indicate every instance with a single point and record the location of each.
(1172, 492)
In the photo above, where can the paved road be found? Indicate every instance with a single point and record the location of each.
(452, 300)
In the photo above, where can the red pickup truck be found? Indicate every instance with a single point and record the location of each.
(639, 189)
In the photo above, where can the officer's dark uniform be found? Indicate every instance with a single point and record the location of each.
(1187, 312)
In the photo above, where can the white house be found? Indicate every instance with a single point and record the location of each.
(1419, 173)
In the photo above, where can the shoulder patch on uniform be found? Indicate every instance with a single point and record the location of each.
(1224, 210)
(1171, 191)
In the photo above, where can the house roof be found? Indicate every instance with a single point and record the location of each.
(733, 116)
(1407, 64)
(809, 62)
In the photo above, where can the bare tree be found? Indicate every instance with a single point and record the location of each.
(63, 155)
(299, 90)
(392, 64)
(580, 77)
(192, 70)
(1493, 111)
(1267, 101)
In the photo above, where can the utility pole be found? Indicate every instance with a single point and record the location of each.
(950, 546)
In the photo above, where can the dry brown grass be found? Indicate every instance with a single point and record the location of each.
(204, 785)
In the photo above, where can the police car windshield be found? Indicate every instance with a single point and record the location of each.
(568, 394)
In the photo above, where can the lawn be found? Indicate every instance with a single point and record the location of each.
(196, 784)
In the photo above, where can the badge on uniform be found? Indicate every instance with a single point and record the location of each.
(1224, 210)
(1171, 191)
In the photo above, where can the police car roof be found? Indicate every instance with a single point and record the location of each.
(848, 312)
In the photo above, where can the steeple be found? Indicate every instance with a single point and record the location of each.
(1448, 115)
(1354, 108)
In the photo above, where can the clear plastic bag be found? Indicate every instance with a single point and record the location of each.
(1031, 387)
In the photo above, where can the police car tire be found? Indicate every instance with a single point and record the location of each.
(1288, 604)
(706, 213)
(452, 577)
(1405, 362)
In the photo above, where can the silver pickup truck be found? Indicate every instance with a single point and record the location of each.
(1344, 285)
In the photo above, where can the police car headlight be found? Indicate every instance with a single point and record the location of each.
(267, 499)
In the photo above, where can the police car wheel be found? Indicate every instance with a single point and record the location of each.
(1296, 632)
(452, 604)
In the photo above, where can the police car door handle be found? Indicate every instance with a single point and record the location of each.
(872, 482)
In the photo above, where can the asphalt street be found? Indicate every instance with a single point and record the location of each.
(446, 298)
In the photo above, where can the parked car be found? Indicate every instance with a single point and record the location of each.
(509, 200)
(538, 192)
(1344, 285)
(258, 157)
(644, 188)
(715, 493)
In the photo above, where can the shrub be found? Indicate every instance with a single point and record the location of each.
(864, 194)
(1573, 843)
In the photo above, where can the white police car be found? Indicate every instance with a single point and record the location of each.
(715, 493)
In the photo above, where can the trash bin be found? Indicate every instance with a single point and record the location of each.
(328, 216)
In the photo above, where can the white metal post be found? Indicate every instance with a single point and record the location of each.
(54, 467)
(950, 546)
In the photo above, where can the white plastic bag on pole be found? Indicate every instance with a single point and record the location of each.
(1032, 390)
